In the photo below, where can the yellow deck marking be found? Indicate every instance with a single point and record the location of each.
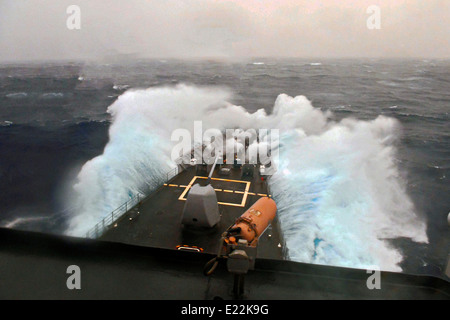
(224, 203)
(244, 198)
(187, 188)
(245, 193)
(222, 190)
(226, 180)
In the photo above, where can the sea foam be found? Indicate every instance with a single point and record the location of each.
(339, 193)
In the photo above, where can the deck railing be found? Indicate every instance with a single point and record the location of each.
(111, 218)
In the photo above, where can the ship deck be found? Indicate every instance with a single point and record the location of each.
(33, 266)
(156, 220)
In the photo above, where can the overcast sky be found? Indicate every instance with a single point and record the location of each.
(36, 29)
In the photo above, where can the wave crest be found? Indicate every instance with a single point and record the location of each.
(338, 189)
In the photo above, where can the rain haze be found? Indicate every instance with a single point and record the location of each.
(37, 29)
(93, 94)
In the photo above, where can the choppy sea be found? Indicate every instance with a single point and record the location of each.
(364, 165)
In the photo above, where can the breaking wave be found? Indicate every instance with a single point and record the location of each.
(339, 193)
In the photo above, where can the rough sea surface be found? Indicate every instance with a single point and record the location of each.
(364, 173)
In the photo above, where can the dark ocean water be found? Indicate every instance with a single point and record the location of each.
(53, 120)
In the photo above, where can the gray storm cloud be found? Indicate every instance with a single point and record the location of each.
(36, 29)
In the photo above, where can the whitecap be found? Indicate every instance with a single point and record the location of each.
(52, 95)
(21, 221)
(120, 87)
(17, 95)
(6, 124)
